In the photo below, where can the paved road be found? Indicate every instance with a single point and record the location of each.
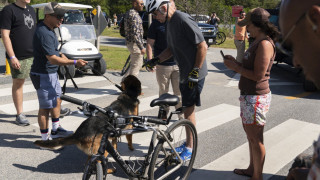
(292, 126)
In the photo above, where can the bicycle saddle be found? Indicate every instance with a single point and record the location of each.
(165, 99)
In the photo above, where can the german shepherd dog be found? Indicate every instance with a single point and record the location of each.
(88, 135)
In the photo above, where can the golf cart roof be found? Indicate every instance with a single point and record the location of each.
(65, 6)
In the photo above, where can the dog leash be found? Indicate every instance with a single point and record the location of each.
(118, 86)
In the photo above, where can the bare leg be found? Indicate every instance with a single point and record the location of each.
(17, 94)
(191, 116)
(255, 137)
(43, 118)
(55, 112)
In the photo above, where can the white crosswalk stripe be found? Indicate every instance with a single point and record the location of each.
(280, 140)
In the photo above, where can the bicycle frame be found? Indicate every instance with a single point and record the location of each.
(105, 145)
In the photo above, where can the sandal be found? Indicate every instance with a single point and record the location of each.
(241, 172)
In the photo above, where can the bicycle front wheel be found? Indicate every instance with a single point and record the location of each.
(164, 163)
(93, 171)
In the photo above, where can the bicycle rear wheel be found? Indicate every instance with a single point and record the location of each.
(93, 171)
(164, 163)
(126, 66)
(221, 37)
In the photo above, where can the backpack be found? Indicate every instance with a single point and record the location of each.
(121, 26)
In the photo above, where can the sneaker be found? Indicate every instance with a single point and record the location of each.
(22, 120)
(186, 155)
(180, 148)
(64, 112)
(60, 132)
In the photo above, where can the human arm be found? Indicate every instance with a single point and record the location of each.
(5, 34)
(164, 55)
(150, 43)
(263, 55)
(63, 60)
(201, 54)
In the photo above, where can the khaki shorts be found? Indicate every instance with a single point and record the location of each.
(24, 71)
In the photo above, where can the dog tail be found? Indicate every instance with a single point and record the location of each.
(58, 143)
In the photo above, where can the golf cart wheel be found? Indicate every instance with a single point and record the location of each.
(100, 67)
(62, 71)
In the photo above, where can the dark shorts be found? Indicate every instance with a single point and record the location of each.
(189, 96)
(48, 89)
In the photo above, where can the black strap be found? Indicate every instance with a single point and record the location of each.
(65, 80)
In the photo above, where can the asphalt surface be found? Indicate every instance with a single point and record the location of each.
(292, 125)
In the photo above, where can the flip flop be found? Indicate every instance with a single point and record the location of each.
(241, 172)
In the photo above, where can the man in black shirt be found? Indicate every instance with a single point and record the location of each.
(17, 28)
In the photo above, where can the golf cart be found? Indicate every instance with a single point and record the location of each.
(77, 39)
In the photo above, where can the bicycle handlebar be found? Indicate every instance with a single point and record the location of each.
(119, 120)
(82, 103)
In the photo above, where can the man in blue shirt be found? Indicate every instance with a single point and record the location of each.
(44, 71)
(168, 70)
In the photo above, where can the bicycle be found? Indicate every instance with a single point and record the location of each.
(162, 161)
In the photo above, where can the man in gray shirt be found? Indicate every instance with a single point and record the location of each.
(188, 47)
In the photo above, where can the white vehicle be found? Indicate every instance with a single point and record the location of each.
(77, 38)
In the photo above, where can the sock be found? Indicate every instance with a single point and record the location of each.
(44, 134)
(189, 149)
(55, 124)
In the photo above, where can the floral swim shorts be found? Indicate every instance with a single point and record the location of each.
(253, 108)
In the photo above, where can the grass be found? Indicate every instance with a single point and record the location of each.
(115, 57)
(112, 31)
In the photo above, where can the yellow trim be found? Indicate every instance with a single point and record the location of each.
(8, 70)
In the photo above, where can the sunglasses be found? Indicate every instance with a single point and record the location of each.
(57, 16)
(281, 45)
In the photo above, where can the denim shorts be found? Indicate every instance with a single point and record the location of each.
(253, 108)
(48, 89)
(189, 96)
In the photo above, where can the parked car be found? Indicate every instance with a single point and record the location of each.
(283, 58)
(200, 18)
(210, 32)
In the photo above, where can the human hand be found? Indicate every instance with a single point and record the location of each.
(230, 62)
(143, 51)
(81, 63)
(193, 78)
(152, 62)
(15, 64)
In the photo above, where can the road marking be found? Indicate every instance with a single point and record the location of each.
(29, 88)
(281, 147)
(298, 96)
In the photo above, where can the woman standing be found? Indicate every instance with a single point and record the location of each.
(255, 95)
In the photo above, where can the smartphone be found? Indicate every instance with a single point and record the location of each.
(222, 54)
